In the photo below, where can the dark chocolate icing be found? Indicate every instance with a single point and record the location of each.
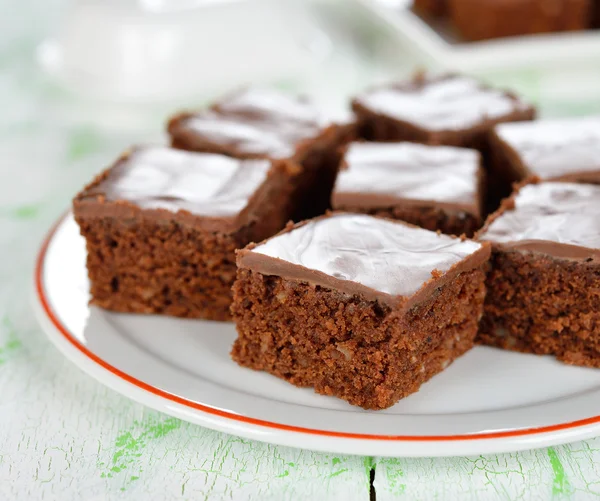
(256, 122)
(380, 259)
(450, 102)
(382, 174)
(553, 149)
(202, 184)
(558, 219)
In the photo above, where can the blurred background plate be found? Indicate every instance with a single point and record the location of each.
(437, 42)
(128, 64)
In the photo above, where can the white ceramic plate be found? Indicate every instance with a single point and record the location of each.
(437, 41)
(488, 401)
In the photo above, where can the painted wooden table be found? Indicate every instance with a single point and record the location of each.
(64, 436)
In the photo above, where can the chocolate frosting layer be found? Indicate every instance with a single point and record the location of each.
(552, 149)
(257, 122)
(558, 219)
(164, 178)
(383, 260)
(379, 174)
(449, 102)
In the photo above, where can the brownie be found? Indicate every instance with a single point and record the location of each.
(162, 226)
(554, 150)
(544, 286)
(451, 110)
(431, 8)
(263, 123)
(481, 20)
(435, 187)
(362, 308)
(595, 14)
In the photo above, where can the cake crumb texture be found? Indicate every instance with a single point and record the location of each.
(150, 267)
(544, 305)
(428, 217)
(342, 345)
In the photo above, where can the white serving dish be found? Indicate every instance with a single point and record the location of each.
(488, 401)
(440, 45)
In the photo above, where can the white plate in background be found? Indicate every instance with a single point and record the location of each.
(436, 41)
(488, 401)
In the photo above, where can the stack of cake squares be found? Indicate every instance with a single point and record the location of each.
(474, 20)
(360, 257)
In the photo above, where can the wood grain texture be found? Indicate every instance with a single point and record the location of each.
(558, 473)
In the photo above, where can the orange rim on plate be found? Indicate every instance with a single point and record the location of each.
(39, 287)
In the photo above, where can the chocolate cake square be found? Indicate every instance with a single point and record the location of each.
(358, 307)
(162, 226)
(477, 20)
(544, 287)
(451, 110)
(435, 187)
(431, 8)
(264, 123)
(553, 150)
(595, 14)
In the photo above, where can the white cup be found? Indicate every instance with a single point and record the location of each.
(170, 50)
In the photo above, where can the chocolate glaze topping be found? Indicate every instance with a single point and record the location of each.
(449, 102)
(165, 180)
(257, 122)
(558, 219)
(552, 149)
(383, 260)
(381, 174)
